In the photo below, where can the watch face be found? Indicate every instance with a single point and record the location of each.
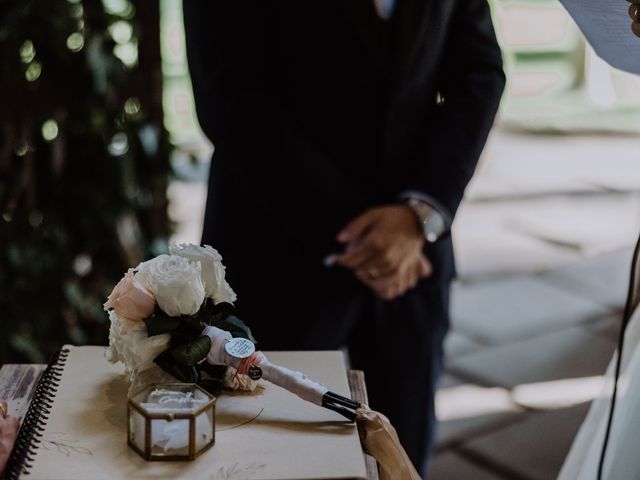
(430, 219)
(434, 224)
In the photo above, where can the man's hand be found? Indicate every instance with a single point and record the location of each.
(402, 281)
(384, 249)
(8, 432)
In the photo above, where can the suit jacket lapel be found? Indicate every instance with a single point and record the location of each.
(371, 29)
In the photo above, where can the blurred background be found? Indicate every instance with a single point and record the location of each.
(102, 163)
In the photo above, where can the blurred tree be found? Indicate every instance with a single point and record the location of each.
(84, 165)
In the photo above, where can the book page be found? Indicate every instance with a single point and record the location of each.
(269, 434)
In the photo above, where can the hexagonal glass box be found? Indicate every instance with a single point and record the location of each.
(171, 421)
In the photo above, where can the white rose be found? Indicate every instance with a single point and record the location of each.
(130, 344)
(213, 271)
(176, 283)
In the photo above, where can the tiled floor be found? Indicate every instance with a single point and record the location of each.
(544, 266)
(518, 307)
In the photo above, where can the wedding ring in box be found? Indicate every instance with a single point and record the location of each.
(172, 421)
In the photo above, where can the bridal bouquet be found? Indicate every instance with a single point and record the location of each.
(172, 317)
(159, 311)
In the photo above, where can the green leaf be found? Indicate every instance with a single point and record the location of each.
(236, 327)
(212, 314)
(191, 353)
(189, 328)
(184, 373)
(160, 323)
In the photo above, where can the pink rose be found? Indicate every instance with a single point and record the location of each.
(131, 299)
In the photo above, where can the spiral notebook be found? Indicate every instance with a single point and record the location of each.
(75, 428)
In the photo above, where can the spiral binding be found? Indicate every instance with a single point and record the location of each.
(32, 428)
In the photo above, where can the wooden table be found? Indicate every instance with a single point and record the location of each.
(18, 382)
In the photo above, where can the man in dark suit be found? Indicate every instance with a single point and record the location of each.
(345, 127)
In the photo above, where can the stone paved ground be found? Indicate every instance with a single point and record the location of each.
(544, 243)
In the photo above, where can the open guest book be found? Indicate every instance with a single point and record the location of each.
(267, 434)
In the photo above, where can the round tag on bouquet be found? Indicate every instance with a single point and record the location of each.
(240, 347)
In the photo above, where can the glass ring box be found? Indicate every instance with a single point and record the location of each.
(172, 421)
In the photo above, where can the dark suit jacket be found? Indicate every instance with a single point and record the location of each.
(319, 110)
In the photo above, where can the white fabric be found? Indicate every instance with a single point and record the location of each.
(622, 461)
(217, 354)
(295, 382)
(384, 8)
(170, 435)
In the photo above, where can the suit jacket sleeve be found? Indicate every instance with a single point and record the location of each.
(471, 82)
(228, 46)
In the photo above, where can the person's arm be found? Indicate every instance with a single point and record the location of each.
(8, 431)
(471, 83)
(229, 47)
(383, 243)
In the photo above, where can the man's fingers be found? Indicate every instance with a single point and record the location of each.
(379, 270)
(378, 285)
(395, 282)
(376, 269)
(401, 282)
(357, 227)
(371, 254)
(414, 277)
(356, 258)
(372, 281)
(364, 253)
(425, 267)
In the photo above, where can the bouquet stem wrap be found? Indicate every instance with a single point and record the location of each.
(295, 382)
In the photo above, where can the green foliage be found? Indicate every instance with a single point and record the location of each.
(183, 372)
(192, 352)
(160, 323)
(236, 327)
(188, 346)
(84, 165)
(221, 316)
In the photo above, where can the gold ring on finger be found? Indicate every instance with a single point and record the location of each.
(3, 410)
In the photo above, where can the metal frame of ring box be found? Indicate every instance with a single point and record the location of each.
(147, 455)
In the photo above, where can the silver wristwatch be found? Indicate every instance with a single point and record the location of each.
(430, 221)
